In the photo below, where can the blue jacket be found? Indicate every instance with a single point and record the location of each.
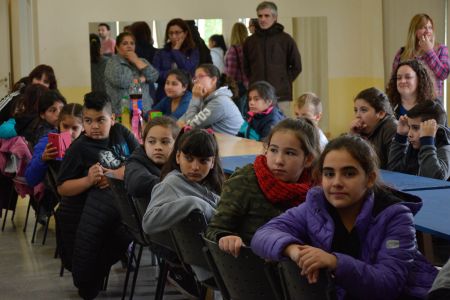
(167, 59)
(37, 168)
(389, 264)
(258, 126)
(165, 106)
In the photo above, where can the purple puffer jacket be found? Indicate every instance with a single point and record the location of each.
(390, 264)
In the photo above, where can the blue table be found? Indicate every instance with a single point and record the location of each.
(406, 182)
(434, 216)
(400, 181)
(230, 163)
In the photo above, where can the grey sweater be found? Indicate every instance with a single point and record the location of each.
(173, 199)
(217, 111)
(119, 75)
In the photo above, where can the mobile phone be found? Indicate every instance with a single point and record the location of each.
(61, 141)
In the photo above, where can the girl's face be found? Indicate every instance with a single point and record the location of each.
(72, 124)
(205, 81)
(194, 168)
(127, 45)
(51, 115)
(42, 81)
(158, 144)
(425, 30)
(256, 103)
(344, 182)
(406, 81)
(367, 114)
(176, 34)
(173, 87)
(285, 157)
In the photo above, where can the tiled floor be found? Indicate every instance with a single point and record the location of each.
(29, 271)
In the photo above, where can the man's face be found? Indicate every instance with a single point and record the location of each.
(103, 32)
(266, 18)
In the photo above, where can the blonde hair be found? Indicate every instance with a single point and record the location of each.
(309, 98)
(417, 21)
(238, 34)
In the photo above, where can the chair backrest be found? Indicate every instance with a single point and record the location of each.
(296, 286)
(243, 276)
(51, 177)
(124, 205)
(188, 239)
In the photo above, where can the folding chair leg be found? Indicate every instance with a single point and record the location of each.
(7, 208)
(61, 271)
(105, 281)
(127, 277)
(136, 271)
(46, 230)
(26, 216)
(162, 278)
(35, 223)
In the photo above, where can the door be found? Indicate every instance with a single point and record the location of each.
(5, 55)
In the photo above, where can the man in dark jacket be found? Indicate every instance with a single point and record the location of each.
(272, 55)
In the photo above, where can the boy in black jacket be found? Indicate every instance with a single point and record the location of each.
(99, 240)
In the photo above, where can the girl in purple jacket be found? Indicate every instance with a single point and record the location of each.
(355, 227)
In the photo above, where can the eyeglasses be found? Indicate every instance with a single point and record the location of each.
(175, 32)
(198, 77)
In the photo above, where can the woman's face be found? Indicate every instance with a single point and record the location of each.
(176, 34)
(407, 81)
(173, 87)
(42, 81)
(426, 30)
(127, 45)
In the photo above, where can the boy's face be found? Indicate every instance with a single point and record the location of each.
(414, 132)
(97, 123)
(307, 111)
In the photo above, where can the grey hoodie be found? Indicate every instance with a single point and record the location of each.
(173, 199)
(217, 111)
(441, 285)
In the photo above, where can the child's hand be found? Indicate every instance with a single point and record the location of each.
(231, 244)
(428, 128)
(402, 126)
(117, 173)
(95, 174)
(356, 126)
(49, 153)
(102, 183)
(198, 91)
(310, 260)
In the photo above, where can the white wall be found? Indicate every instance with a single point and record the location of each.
(63, 27)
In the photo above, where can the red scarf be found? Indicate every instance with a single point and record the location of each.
(277, 191)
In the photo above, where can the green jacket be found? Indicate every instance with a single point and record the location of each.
(242, 208)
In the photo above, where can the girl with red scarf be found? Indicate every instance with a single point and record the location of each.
(276, 181)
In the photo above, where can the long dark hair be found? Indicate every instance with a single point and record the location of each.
(222, 79)
(198, 143)
(188, 43)
(94, 47)
(28, 102)
(46, 70)
(142, 32)
(219, 41)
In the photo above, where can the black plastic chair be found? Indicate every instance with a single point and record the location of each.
(296, 286)
(188, 239)
(244, 276)
(129, 219)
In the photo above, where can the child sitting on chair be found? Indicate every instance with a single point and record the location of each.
(353, 226)
(422, 143)
(263, 112)
(99, 241)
